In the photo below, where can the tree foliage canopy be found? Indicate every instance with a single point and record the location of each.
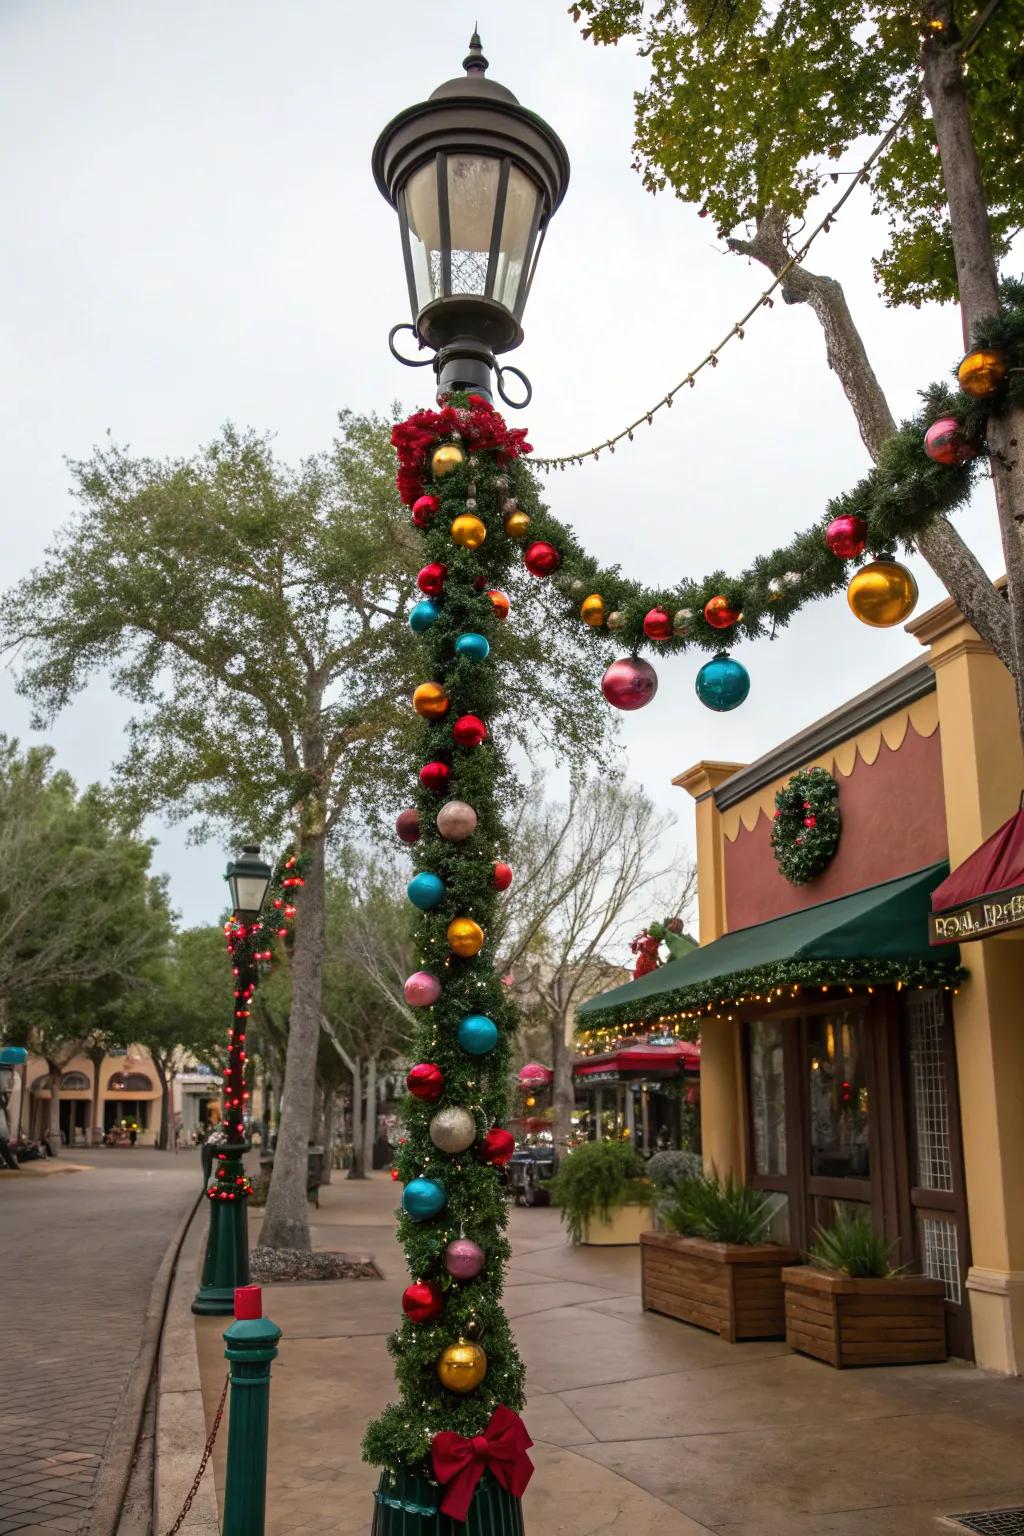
(754, 104)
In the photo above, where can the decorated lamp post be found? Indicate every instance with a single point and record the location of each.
(226, 1265)
(474, 178)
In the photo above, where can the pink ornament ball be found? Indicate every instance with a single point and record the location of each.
(456, 821)
(945, 442)
(421, 990)
(847, 537)
(630, 683)
(463, 1259)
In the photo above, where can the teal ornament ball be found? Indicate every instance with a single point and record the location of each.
(425, 891)
(722, 683)
(423, 1198)
(478, 1034)
(474, 647)
(423, 615)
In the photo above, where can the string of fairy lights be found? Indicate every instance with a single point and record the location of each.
(738, 329)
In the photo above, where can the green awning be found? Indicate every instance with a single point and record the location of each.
(879, 935)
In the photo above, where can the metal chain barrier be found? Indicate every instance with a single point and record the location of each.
(207, 1449)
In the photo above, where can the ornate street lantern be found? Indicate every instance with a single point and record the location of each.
(475, 178)
(249, 880)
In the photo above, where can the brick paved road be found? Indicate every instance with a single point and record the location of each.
(78, 1255)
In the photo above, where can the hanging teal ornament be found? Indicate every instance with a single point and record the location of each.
(474, 647)
(478, 1034)
(423, 1198)
(425, 891)
(722, 683)
(423, 615)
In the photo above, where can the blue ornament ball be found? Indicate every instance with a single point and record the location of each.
(722, 683)
(423, 1198)
(425, 891)
(478, 1034)
(474, 647)
(423, 615)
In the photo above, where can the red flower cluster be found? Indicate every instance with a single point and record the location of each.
(482, 428)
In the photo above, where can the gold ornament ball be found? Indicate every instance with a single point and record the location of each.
(446, 458)
(462, 1366)
(430, 701)
(981, 373)
(516, 524)
(465, 937)
(882, 594)
(469, 531)
(616, 620)
(592, 610)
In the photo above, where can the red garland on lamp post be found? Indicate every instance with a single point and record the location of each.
(474, 178)
(226, 1264)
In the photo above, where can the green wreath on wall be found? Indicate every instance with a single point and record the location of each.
(806, 825)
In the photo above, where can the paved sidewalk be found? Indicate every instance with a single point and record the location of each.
(78, 1256)
(643, 1425)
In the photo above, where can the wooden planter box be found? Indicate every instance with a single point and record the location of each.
(899, 1321)
(623, 1228)
(733, 1289)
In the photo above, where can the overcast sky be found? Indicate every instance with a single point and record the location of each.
(192, 234)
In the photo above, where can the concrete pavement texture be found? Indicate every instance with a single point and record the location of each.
(78, 1257)
(642, 1424)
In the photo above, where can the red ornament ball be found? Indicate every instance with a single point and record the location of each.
(630, 683)
(407, 825)
(394, 1174)
(658, 624)
(719, 613)
(423, 509)
(847, 537)
(541, 559)
(422, 1302)
(431, 579)
(469, 731)
(496, 1147)
(945, 442)
(435, 776)
(425, 1081)
(501, 879)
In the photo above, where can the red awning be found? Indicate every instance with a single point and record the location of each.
(986, 893)
(658, 1060)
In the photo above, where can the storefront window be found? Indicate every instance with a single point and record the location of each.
(838, 1096)
(768, 1096)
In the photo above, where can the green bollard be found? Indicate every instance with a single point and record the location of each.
(252, 1344)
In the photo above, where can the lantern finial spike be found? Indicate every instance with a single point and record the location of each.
(475, 63)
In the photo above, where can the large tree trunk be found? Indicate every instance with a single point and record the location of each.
(563, 1096)
(357, 1168)
(53, 1118)
(286, 1221)
(164, 1138)
(956, 566)
(370, 1118)
(978, 283)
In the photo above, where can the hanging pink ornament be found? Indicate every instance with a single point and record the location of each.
(946, 444)
(847, 537)
(422, 989)
(463, 1259)
(630, 683)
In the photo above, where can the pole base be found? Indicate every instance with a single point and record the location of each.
(215, 1301)
(227, 1258)
(406, 1504)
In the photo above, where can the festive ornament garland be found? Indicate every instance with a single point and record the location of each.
(806, 825)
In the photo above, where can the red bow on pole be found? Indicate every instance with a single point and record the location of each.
(459, 1461)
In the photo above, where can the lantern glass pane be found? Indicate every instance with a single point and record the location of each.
(424, 236)
(472, 195)
(513, 248)
(248, 891)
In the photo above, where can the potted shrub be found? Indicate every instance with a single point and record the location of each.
(848, 1306)
(715, 1266)
(666, 1171)
(603, 1193)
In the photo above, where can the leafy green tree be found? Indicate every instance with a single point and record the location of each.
(255, 613)
(181, 1008)
(751, 110)
(81, 917)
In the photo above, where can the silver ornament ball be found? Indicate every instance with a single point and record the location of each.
(453, 1129)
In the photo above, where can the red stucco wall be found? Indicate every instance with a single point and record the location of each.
(893, 823)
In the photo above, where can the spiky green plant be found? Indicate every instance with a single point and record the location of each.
(854, 1246)
(720, 1210)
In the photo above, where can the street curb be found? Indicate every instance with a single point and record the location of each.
(180, 1411)
(119, 1451)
